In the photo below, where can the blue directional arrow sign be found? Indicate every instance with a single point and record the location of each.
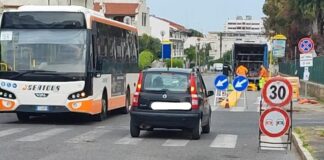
(240, 83)
(221, 82)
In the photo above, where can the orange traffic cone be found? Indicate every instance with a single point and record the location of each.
(227, 104)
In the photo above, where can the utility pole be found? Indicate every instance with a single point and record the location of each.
(197, 49)
(221, 44)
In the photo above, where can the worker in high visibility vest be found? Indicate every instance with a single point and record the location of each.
(263, 75)
(241, 70)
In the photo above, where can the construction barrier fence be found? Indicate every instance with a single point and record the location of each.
(293, 68)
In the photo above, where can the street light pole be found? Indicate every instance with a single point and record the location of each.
(221, 45)
(197, 49)
(162, 35)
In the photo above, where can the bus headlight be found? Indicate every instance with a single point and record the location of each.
(6, 94)
(76, 105)
(77, 95)
(6, 104)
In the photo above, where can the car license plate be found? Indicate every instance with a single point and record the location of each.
(42, 108)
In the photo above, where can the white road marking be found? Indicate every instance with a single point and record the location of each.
(11, 131)
(175, 143)
(224, 141)
(213, 108)
(237, 109)
(258, 101)
(272, 140)
(43, 135)
(90, 136)
(129, 140)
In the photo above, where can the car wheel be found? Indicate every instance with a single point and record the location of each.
(103, 114)
(196, 132)
(23, 117)
(134, 130)
(127, 107)
(206, 128)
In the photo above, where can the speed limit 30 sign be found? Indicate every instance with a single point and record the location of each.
(277, 92)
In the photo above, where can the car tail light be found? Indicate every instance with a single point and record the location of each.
(193, 92)
(138, 90)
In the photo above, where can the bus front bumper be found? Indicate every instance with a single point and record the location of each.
(88, 106)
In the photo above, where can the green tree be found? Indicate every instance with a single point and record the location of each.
(295, 19)
(195, 33)
(154, 45)
(145, 59)
(190, 53)
(314, 11)
(225, 59)
(176, 63)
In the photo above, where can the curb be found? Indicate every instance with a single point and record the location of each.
(303, 152)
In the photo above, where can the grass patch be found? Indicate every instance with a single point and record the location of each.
(298, 130)
(304, 138)
(320, 100)
(321, 133)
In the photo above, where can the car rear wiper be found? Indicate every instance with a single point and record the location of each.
(30, 71)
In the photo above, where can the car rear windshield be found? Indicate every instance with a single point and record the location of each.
(166, 81)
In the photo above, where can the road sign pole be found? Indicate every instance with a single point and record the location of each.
(240, 84)
(245, 101)
(162, 54)
(221, 84)
(275, 121)
(305, 89)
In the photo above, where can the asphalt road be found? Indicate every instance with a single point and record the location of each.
(234, 135)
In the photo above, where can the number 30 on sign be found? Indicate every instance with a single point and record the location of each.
(277, 92)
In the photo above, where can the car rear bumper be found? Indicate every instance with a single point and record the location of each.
(151, 119)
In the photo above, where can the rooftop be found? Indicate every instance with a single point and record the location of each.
(120, 9)
(173, 24)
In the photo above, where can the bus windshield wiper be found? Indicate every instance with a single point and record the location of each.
(30, 71)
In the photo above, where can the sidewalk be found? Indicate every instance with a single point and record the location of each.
(312, 134)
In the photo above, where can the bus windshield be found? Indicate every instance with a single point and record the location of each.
(58, 50)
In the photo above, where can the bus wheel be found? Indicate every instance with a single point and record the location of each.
(103, 114)
(23, 117)
(128, 106)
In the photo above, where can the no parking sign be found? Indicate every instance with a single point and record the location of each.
(306, 45)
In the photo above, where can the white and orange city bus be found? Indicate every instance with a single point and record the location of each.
(65, 59)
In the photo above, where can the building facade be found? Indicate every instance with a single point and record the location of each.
(167, 30)
(133, 12)
(236, 31)
(246, 24)
(159, 28)
(177, 35)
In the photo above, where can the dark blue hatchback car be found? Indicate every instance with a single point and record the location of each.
(173, 99)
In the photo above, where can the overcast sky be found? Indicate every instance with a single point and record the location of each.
(205, 15)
